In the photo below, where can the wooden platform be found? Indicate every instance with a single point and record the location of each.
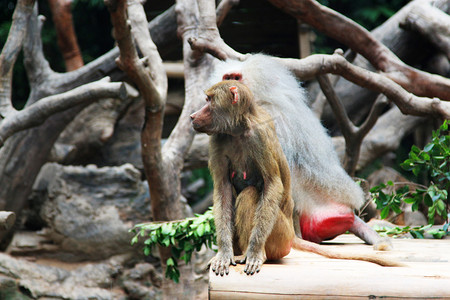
(310, 276)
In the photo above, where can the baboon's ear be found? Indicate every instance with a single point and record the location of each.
(234, 91)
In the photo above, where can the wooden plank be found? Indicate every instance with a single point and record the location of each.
(311, 276)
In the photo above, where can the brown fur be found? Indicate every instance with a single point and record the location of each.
(323, 193)
(252, 197)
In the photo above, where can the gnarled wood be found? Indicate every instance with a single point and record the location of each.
(360, 40)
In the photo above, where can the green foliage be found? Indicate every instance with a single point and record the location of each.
(388, 202)
(416, 232)
(434, 161)
(183, 237)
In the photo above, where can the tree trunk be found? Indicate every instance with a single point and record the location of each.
(67, 39)
(24, 154)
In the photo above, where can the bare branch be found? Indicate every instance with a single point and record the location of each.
(207, 38)
(129, 60)
(153, 61)
(432, 23)
(38, 68)
(362, 41)
(347, 127)
(65, 32)
(196, 69)
(336, 64)
(375, 112)
(352, 134)
(386, 135)
(38, 112)
(10, 52)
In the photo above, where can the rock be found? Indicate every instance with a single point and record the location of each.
(24, 280)
(9, 289)
(88, 211)
(136, 290)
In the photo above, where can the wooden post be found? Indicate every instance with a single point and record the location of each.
(304, 40)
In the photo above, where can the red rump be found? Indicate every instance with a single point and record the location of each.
(318, 228)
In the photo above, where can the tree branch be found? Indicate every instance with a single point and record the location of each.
(353, 135)
(432, 23)
(362, 41)
(11, 50)
(128, 59)
(65, 32)
(336, 64)
(153, 61)
(346, 125)
(38, 112)
(386, 135)
(37, 67)
(207, 38)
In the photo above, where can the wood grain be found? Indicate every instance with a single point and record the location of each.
(308, 275)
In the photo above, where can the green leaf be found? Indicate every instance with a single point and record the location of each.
(417, 234)
(201, 229)
(415, 149)
(396, 209)
(166, 241)
(440, 206)
(377, 188)
(408, 165)
(437, 233)
(207, 228)
(445, 228)
(166, 228)
(170, 262)
(428, 147)
(384, 212)
(415, 206)
(409, 200)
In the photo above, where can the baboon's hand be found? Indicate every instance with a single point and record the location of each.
(220, 263)
(253, 262)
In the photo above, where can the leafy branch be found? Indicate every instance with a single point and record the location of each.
(433, 161)
(416, 232)
(182, 236)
